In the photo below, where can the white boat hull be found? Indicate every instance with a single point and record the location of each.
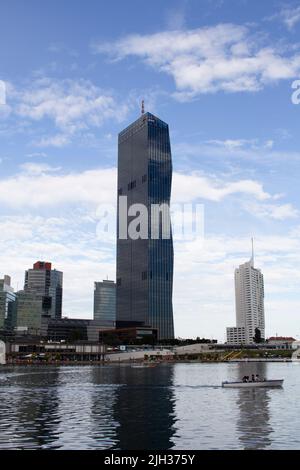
(263, 384)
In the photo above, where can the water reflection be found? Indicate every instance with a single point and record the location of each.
(113, 407)
(118, 407)
(253, 425)
(29, 415)
(144, 409)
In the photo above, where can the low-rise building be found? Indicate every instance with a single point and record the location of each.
(71, 329)
(236, 335)
(281, 342)
(29, 349)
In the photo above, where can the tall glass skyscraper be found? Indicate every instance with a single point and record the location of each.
(145, 265)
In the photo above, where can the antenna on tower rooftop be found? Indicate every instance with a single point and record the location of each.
(143, 107)
(252, 243)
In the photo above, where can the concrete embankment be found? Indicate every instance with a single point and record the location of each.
(163, 354)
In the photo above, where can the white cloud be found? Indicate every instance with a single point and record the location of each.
(237, 144)
(39, 185)
(194, 186)
(69, 103)
(225, 57)
(290, 16)
(72, 106)
(273, 211)
(37, 169)
(58, 140)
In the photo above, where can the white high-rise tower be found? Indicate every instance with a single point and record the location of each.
(249, 304)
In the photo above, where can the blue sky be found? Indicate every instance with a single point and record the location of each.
(220, 73)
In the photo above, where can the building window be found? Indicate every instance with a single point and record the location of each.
(120, 191)
(144, 275)
(144, 178)
(131, 185)
(119, 281)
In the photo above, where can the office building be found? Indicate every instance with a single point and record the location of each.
(42, 296)
(7, 304)
(70, 329)
(249, 302)
(105, 303)
(145, 264)
(47, 282)
(236, 335)
(30, 310)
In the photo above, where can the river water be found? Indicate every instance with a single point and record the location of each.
(180, 406)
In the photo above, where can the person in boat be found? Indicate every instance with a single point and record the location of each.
(244, 379)
(257, 378)
(253, 378)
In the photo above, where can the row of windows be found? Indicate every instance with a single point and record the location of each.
(144, 277)
(132, 185)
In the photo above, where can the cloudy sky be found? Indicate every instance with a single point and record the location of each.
(220, 72)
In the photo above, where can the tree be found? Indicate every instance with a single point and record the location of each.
(257, 338)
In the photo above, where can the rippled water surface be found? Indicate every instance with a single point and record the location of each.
(179, 406)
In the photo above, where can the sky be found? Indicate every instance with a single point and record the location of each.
(220, 73)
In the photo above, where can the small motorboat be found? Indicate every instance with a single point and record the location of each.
(262, 383)
(144, 365)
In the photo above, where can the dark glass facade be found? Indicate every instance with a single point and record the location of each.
(145, 266)
(105, 303)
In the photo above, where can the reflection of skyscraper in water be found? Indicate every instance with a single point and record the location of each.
(87, 421)
(144, 408)
(253, 424)
(103, 424)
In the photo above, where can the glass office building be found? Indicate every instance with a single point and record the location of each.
(105, 303)
(7, 304)
(145, 266)
(29, 311)
(42, 296)
(47, 282)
